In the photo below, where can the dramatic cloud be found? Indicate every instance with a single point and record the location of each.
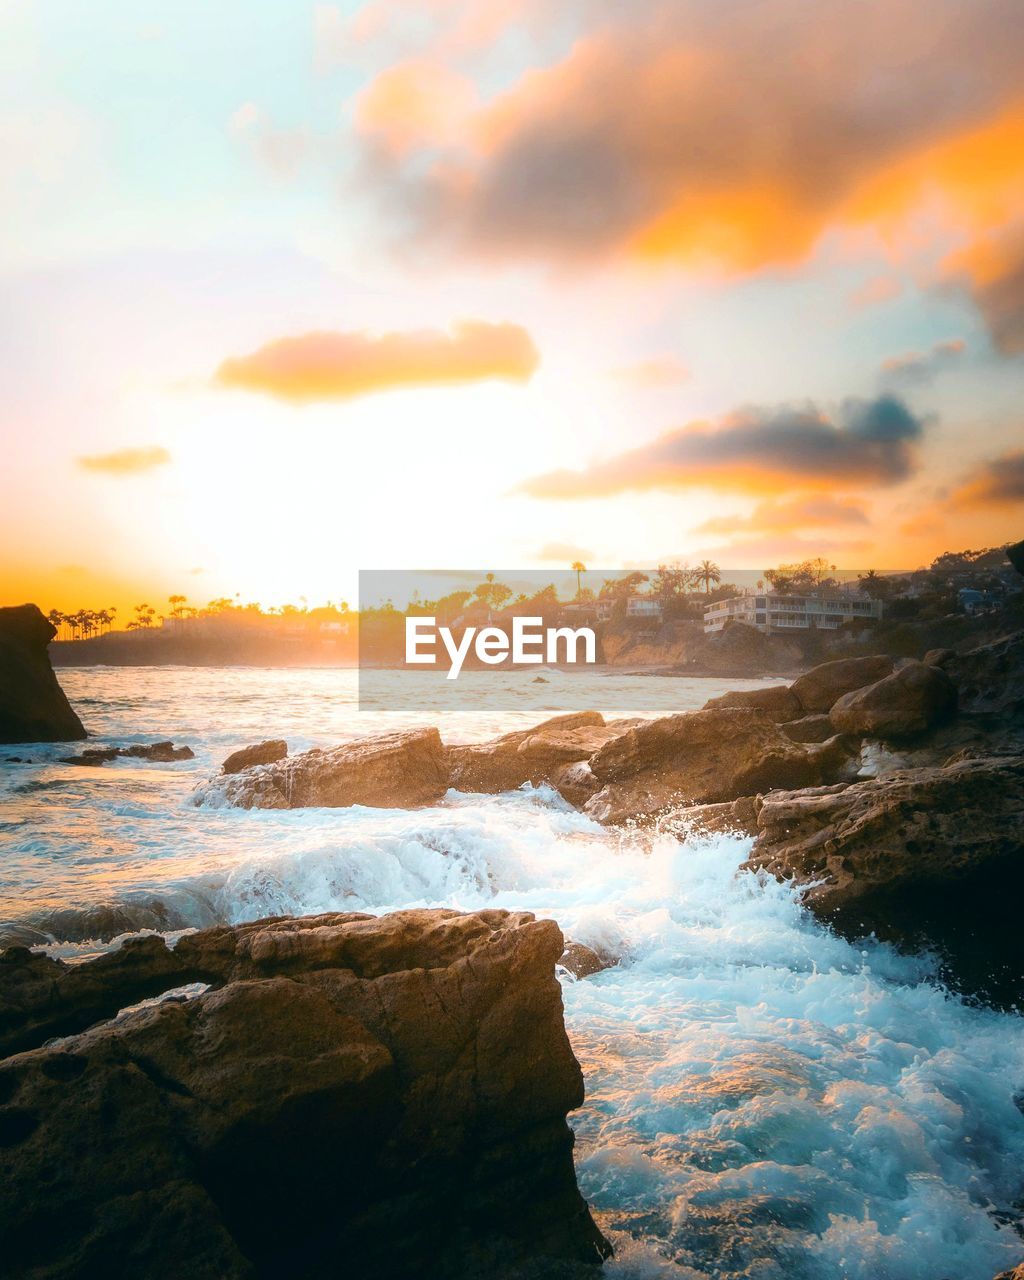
(564, 553)
(661, 371)
(813, 511)
(998, 483)
(993, 272)
(339, 366)
(916, 367)
(126, 462)
(733, 134)
(759, 450)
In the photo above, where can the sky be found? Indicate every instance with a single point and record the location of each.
(290, 291)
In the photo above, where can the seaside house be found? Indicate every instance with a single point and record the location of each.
(773, 611)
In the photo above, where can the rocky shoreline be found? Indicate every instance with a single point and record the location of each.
(392, 1091)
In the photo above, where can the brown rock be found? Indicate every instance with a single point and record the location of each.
(777, 701)
(939, 657)
(733, 817)
(820, 687)
(532, 755)
(931, 855)
(158, 752)
(700, 757)
(33, 706)
(260, 753)
(392, 771)
(583, 961)
(910, 701)
(990, 679)
(809, 729)
(388, 1092)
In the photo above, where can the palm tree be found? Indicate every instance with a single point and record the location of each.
(55, 618)
(708, 572)
(578, 568)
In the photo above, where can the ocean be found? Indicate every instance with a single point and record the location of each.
(764, 1099)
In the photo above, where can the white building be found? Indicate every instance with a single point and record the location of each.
(644, 607)
(825, 611)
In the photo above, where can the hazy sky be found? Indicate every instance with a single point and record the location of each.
(291, 290)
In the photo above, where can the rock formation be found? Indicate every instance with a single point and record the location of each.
(818, 689)
(156, 752)
(931, 856)
(911, 701)
(392, 771)
(351, 1096)
(777, 701)
(699, 757)
(33, 706)
(260, 753)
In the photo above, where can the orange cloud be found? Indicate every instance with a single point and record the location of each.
(415, 103)
(917, 367)
(339, 366)
(126, 462)
(759, 450)
(876, 290)
(810, 512)
(733, 138)
(661, 371)
(564, 552)
(996, 483)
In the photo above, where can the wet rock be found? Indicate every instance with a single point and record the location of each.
(778, 702)
(911, 701)
(822, 686)
(391, 771)
(809, 729)
(260, 753)
(583, 961)
(575, 782)
(733, 817)
(699, 757)
(931, 856)
(391, 1093)
(158, 752)
(533, 755)
(33, 706)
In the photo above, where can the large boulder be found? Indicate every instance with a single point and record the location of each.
(359, 1096)
(809, 728)
(259, 753)
(1015, 555)
(777, 701)
(527, 755)
(820, 687)
(33, 706)
(700, 757)
(929, 856)
(391, 771)
(911, 701)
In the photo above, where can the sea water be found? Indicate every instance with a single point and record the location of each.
(764, 1099)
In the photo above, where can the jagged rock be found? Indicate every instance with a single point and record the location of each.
(778, 702)
(1018, 1272)
(530, 755)
(381, 1098)
(733, 817)
(931, 855)
(158, 752)
(575, 782)
(910, 701)
(33, 706)
(809, 729)
(699, 757)
(583, 961)
(391, 771)
(939, 657)
(990, 679)
(822, 686)
(260, 753)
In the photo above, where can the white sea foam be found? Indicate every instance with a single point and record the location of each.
(764, 1099)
